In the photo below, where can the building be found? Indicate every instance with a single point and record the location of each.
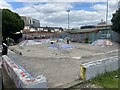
(99, 31)
(89, 26)
(32, 30)
(41, 32)
(30, 22)
(29, 35)
(51, 29)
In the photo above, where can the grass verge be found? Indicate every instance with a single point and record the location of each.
(107, 80)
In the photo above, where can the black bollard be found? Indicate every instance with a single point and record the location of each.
(68, 41)
(5, 49)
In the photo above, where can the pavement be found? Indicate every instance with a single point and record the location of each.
(60, 67)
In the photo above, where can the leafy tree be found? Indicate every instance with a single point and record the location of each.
(11, 23)
(86, 40)
(72, 29)
(116, 21)
(49, 29)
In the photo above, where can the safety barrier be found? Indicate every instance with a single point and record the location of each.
(21, 77)
(92, 69)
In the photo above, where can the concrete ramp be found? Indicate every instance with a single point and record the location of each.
(103, 42)
(34, 42)
(61, 46)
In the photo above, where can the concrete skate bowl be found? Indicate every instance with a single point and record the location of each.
(34, 42)
(61, 46)
(104, 42)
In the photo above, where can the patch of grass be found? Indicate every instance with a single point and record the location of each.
(107, 80)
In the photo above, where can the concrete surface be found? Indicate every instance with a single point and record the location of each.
(7, 81)
(43, 51)
(59, 66)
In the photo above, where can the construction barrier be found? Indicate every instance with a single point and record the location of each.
(21, 77)
(92, 69)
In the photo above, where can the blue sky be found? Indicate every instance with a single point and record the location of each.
(54, 13)
(16, 4)
(76, 5)
(85, 5)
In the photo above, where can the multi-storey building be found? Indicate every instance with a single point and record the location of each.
(30, 22)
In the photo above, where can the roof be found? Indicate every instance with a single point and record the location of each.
(82, 31)
(37, 32)
(25, 30)
(99, 28)
(52, 27)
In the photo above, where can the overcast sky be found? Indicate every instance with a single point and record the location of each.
(53, 12)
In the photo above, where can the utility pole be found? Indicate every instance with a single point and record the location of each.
(68, 19)
(107, 19)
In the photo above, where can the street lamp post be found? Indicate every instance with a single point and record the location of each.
(108, 32)
(106, 13)
(68, 18)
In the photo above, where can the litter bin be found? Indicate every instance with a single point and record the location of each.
(68, 41)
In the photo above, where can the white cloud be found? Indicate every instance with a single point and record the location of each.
(53, 7)
(44, 8)
(99, 7)
(54, 14)
(113, 5)
(4, 4)
(61, 0)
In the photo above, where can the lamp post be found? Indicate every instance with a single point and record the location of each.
(106, 13)
(108, 32)
(68, 18)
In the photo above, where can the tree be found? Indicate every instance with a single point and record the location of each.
(11, 23)
(116, 21)
(49, 29)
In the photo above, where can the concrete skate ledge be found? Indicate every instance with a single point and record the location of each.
(92, 69)
(96, 54)
(21, 77)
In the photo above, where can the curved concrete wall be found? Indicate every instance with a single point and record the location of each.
(21, 77)
(92, 69)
